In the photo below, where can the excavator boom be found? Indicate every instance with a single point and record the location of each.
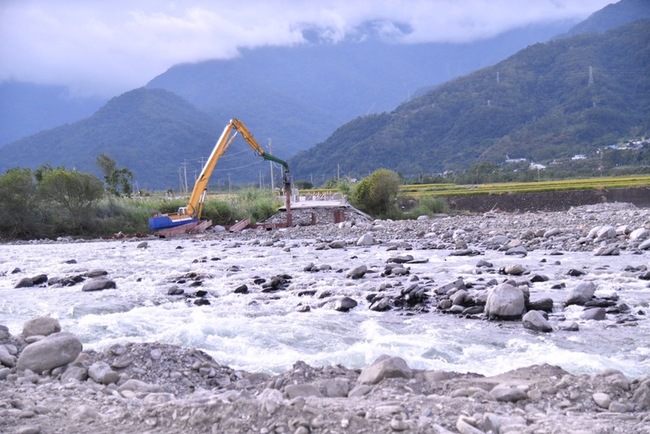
(192, 212)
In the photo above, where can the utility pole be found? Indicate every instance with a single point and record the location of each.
(591, 76)
(184, 166)
(228, 182)
(271, 164)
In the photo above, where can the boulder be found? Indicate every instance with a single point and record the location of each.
(304, 390)
(25, 282)
(74, 373)
(605, 232)
(366, 240)
(356, 272)
(639, 234)
(102, 373)
(544, 304)
(43, 326)
(518, 250)
(535, 320)
(98, 284)
(345, 304)
(333, 387)
(505, 302)
(515, 270)
(645, 245)
(57, 349)
(552, 232)
(385, 367)
(581, 294)
(596, 314)
(337, 244)
(505, 393)
(6, 358)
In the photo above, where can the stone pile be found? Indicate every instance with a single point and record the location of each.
(49, 384)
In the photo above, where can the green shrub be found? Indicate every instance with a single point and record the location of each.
(220, 212)
(377, 194)
(20, 214)
(256, 205)
(427, 205)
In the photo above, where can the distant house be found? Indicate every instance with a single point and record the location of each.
(536, 166)
(515, 160)
(579, 157)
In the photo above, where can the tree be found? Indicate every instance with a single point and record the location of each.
(19, 205)
(75, 192)
(377, 193)
(119, 181)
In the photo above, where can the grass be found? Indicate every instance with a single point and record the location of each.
(526, 187)
(448, 189)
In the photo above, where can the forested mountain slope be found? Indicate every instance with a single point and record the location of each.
(538, 104)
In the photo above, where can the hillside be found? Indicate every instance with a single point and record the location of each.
(612, 16)
(298, 95)
(142, 129)
(538, 104)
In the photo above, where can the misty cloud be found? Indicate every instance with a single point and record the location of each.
(105, 48)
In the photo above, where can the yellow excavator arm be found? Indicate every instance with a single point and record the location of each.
(192, 212)
(197, 198)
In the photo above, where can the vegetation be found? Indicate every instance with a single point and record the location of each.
(48, 203)
(119, 181)
(444, 190)
(550, 101)
(377, 193)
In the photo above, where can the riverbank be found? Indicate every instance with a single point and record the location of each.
(352, 327)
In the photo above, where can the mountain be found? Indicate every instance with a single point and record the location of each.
(27, 108)
(296, 96)
(549, 100)
(612, 16)
(159, 136)
(141, 129)
(289, 97)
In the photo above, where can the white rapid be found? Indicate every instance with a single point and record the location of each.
(264, 331)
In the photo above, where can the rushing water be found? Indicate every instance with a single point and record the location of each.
(264, 331)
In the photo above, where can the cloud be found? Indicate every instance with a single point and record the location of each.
(105, 48)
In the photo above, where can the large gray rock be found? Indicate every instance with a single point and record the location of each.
(505, 302)
(25, 282)
(581, 293)
(99, 284)
(385, 367)
(605, 232)
(57, 349)
(74, 373)
(356, 272)
(41, 326)
(102, 373)
(366, 240)
(344, 304)
(304, 390)
(596, 314)
(6, 358)
(535, 320)
(639, 234)
(645, 245)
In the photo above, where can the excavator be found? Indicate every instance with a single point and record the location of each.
(189, 216)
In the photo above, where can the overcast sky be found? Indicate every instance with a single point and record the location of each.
(108, 47)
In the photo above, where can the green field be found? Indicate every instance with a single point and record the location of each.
(442, 190)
